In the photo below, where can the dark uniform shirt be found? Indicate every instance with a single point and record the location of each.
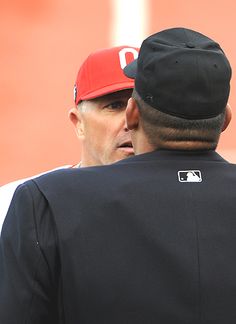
(150, 239)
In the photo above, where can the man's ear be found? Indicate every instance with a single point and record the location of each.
(132, 114)
(228, 116)
(76, 118)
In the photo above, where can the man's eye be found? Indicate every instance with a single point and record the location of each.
(116, 105)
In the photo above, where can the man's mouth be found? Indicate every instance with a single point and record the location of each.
(127, 147)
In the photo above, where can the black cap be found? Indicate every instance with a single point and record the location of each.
(182, 73)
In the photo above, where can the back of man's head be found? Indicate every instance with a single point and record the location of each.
(182, 84)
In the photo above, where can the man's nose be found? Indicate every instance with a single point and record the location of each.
(125, 127)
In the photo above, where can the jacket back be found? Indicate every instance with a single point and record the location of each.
(150, 239)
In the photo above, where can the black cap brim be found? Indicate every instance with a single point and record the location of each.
(131, 69)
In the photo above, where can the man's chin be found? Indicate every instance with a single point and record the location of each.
(120, 154)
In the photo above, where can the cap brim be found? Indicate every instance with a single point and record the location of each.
(131, 69)
(107, 90)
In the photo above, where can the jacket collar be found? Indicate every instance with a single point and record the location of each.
(165, 155)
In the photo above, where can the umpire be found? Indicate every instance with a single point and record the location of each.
(150, 239)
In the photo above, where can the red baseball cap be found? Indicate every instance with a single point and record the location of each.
(102, 73)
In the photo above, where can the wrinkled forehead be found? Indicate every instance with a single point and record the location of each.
(122, 95)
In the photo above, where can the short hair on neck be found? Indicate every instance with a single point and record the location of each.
(166, 131)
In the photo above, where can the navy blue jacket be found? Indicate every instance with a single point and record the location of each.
(150, 239)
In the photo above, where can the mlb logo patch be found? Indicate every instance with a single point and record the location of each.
(190, 176)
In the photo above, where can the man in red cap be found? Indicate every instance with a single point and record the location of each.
(101, 93)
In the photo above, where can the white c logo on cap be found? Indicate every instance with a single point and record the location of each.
(122, 55)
